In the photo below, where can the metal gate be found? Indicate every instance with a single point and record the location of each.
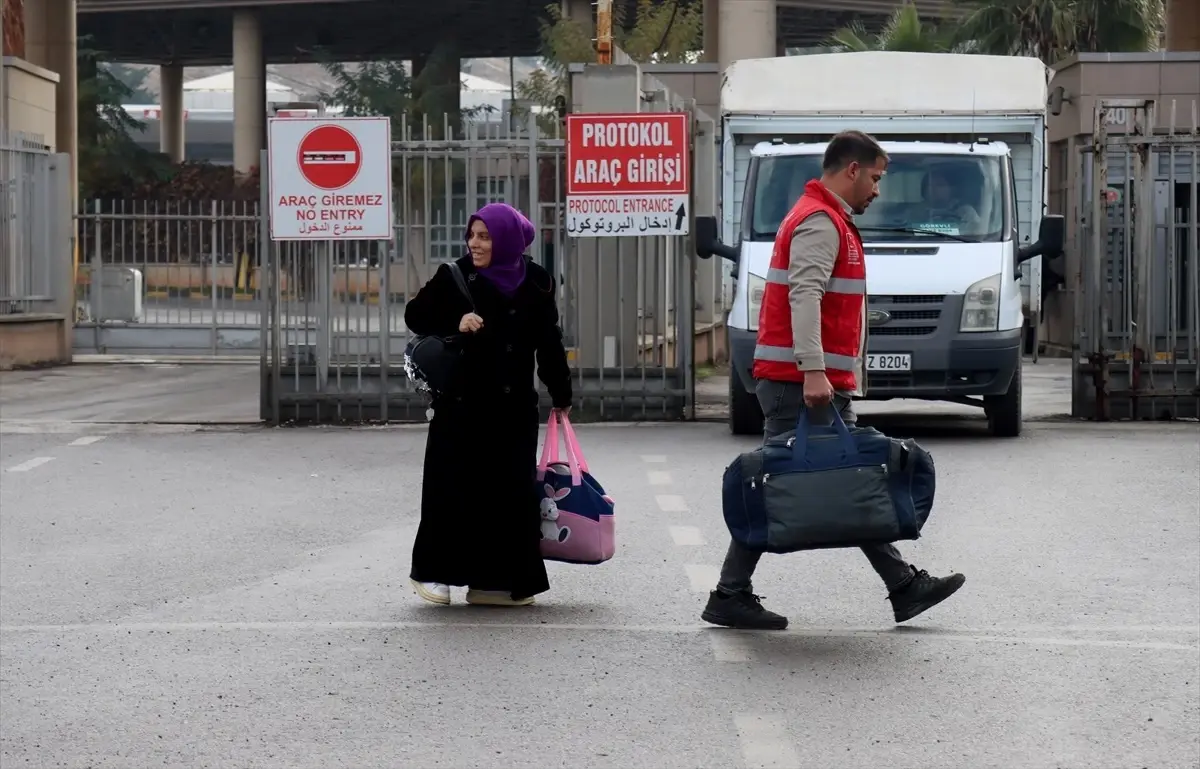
(334, 335)
(1137, 308)
(165, 277)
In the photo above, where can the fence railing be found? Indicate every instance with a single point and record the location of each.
(1137, 322)
(27, 220)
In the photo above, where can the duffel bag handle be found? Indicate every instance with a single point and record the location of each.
(800, 446)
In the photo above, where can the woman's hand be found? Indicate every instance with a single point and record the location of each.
(470, 323)
(564, 411)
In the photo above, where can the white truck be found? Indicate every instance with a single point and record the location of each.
(953, 267)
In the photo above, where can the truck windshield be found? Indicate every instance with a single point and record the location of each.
(923, 197)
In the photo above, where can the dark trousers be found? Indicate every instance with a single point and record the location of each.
(782, 403)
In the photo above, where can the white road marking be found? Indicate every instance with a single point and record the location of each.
(686, 536)
(30, 464)
(654, 459)
(1003, 635)
(659, 478)
(86, 440)
(765, 743)
(702, 577)
(731, 646)
(671, 503)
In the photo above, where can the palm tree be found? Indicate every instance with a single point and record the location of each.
(1054, 29)
(904, 31)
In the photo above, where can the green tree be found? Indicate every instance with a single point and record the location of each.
(1055, 29)
(110, 161)
(134, 80)
(668, 31)
(904, 31)
(388, 89)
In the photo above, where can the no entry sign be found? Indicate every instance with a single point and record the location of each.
(330, 157)
(330, 179)
(628, 174)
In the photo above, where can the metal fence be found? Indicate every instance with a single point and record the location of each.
(27, 219)
(167, 277)
(1137, 316)
(333, 335)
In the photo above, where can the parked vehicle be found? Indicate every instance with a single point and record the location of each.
(953, 267)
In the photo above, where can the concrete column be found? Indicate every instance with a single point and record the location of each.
(712, 12)
(581, 11)
(249, 106)
(1183, 25)
(50, 36)
(35, 33)
(170, 138)
(745, 30)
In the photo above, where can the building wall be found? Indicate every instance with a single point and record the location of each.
(13, 42)
(1183, 25)
(30, 100)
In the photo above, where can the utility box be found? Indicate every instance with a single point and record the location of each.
(121, 292)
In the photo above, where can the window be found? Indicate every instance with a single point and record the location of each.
(934, 196)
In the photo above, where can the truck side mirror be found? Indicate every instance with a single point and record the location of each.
(1051, 236)
(708, 243)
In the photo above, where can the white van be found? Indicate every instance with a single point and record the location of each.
(945, 241)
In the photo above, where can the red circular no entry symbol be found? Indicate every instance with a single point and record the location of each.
(329, 157)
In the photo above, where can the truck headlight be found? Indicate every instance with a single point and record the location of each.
(981, 306)
(755, 288)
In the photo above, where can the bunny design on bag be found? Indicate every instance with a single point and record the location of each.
(549, 505)
(577, 514)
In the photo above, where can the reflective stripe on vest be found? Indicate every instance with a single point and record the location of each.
(788, 355)
(852, 286)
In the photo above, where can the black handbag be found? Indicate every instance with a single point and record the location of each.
(431, 361)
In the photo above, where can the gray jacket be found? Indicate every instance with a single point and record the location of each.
(814, 249)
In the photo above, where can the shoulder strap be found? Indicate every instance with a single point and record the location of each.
(461, 282)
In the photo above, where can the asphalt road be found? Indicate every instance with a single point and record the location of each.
(238, 598)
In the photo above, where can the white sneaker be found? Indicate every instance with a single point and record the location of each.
(495, 598)
(434, 592)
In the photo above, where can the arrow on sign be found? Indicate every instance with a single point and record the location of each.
(679, 214)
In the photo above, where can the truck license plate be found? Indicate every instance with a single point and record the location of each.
(889, 362)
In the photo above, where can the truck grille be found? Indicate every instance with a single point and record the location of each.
(915, 315)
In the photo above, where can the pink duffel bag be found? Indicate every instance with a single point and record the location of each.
(577, 516)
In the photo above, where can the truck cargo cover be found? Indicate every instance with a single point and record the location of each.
(885, 83)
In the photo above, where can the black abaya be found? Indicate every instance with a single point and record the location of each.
(480, 525)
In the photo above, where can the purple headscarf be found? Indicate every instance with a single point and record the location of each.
(511, 234)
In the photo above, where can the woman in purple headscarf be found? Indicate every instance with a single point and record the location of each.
(480, 523)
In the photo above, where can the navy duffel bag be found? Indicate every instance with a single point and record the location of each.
(821, 487)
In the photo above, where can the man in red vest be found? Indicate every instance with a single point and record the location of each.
(809, 355)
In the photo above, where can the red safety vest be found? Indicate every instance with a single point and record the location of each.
(841, 306)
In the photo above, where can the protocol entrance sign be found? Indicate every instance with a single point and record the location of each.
(330, 179)
(628, 174)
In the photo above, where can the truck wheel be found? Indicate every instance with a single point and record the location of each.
(745, 415)
(1004, 411)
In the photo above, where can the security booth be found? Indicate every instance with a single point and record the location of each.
(1124, 139)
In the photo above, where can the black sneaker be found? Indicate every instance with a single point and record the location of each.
(741, 610)
(922, 593)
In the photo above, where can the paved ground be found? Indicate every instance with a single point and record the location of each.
(237, 598)
(160, 389)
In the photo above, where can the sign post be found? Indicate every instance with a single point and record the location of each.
(330, 179)
(628, 174)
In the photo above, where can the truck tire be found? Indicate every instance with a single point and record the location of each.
(745, 415)
(1004, 411)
